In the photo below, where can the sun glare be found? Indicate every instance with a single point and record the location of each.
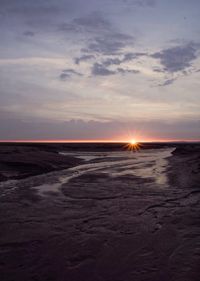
(133, 145)
(133, 142)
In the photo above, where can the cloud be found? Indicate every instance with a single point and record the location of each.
(80, 129)
(139, 3)
(102, 36)
(126, 58)
(83, 58)
(109, 44)
(100, 70)
(112, 61)
(159, 70)
(68, 73)
(168, 82)
(148, 3)
(177, 58)
(32, 12)
(125, 70)
(131, 56)
(91, 23)
(68, 27)
(29, 33)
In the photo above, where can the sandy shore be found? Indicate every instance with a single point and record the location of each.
(103, 226)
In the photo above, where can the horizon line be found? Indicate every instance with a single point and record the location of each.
(95, 141)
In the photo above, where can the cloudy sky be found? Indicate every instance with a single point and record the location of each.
(91, 69)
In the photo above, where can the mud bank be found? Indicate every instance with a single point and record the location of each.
(104, 223)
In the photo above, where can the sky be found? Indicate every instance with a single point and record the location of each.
(100, 70)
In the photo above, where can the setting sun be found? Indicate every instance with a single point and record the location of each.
(133, 142)
(133, 145)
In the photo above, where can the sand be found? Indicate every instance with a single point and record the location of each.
(89, 221)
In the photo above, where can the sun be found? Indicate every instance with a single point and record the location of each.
(133, 142)
(133, 145)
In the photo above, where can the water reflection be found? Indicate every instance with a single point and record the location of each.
(148, 164)
(145, 164)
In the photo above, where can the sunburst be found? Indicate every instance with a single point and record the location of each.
(133, 145)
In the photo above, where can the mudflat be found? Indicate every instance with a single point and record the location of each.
(88, 214)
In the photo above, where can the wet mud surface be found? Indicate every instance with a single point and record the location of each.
(113, 217)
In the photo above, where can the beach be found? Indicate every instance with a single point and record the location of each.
(89, 213)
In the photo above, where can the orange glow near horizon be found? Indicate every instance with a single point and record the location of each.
(132, 141)
(126, 139)
(66, 141)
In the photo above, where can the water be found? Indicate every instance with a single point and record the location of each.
(150, 163)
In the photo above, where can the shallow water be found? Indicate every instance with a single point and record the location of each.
(144, 164)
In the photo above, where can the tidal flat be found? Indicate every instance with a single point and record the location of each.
(99, 212)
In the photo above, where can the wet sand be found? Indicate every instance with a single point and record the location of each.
(112, 216)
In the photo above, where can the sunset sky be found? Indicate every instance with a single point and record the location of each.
(91, 69)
